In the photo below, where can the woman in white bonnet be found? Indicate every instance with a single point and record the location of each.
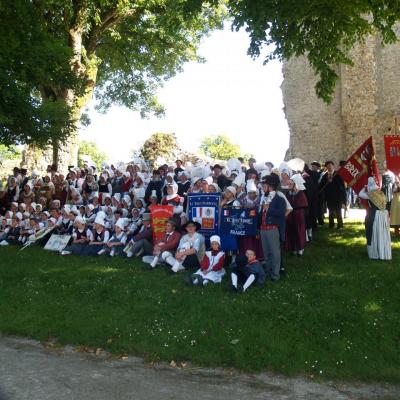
(377, 227)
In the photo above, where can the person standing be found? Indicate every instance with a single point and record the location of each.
(272, 229)
(377, 227)
(395, 208)
(296, 220)
(332, 187)
(388, 181)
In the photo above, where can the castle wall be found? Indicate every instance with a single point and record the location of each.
(366, 101)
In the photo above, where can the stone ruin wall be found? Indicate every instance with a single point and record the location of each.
(366, 101)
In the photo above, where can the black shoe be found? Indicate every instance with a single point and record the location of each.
(189, 281)
(233, 289)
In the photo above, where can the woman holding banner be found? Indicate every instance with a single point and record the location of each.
(376, 222)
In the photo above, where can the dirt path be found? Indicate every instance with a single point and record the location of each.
(30, 370)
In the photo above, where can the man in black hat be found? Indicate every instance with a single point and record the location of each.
(331, 186)
(315, 201)
(272, 228)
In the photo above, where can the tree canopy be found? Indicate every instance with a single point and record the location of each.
(323, 30)
(90, 149)
(159, 145)
(219, 147)
(30, 58)
(121, 50)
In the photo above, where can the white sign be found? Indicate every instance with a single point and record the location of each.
(57, 242)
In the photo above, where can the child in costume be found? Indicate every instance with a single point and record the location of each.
(245, 271)
(212, 266)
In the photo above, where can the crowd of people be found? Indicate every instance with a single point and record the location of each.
(107, 212)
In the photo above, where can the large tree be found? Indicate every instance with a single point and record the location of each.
(90, 149)
(31, 58)
(219, 147)
(122, 49)
(160, 146)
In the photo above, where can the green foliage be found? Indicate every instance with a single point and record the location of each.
(323, 30)
(219, 147)
(9, 152)
(55, 54)
(90, 149)
(30, 58)
(320, 317)
(159, 145)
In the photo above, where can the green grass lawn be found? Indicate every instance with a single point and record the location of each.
(335, 314)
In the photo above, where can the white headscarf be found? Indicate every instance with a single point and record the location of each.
(372, 184)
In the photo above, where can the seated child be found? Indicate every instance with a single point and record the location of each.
(12, 232)
(211, 269)
(101, 235)
(29, 230)
(245, 271)
(81, 237)
(117, 241)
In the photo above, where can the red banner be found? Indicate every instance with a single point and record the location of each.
(392, 152)
(159, 217)
(360, 166)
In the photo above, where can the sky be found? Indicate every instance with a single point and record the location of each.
(229, 94)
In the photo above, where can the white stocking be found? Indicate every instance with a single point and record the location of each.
(249, 281)
(234, 279)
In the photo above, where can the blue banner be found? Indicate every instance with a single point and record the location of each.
(204, 209)
(239, 222)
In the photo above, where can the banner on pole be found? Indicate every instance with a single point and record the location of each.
(159, 217)
(392, 152)
(360, 166)
(204, 209)
(242, 222)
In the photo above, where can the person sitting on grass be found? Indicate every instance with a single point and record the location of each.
(12, 232)
(4, 228)
(29, 230)
(101, 235)
(142, 242)
(166, 246)
(212, 266)
(66, 223)
(245, 271)
(81, 237)
(136, 222)
(191, 249)
(117, 241)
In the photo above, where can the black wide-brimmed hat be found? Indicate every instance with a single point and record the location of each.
(191, 222)
(316, 163)
(175, 221)
(272, 180)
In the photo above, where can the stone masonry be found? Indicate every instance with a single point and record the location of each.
(366, 102)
